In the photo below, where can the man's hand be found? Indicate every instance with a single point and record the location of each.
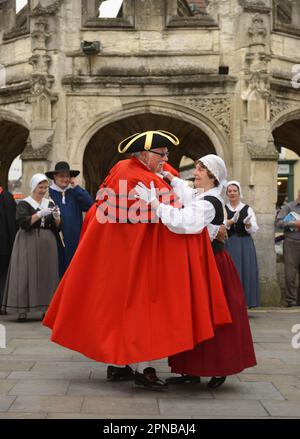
(222, 234)
(296, 224)
(73, 182)
(144, 193)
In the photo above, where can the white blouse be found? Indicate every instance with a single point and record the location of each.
(250, 212)
(196, 214)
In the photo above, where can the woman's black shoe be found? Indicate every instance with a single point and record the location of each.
(115, 373)
(22, 317)
(149, 379)
(216, 382)
(184, 379)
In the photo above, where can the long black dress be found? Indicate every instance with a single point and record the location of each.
(33, 271)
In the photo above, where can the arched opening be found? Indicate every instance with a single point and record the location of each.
(13, 138)
(286, 139)
(101, 151)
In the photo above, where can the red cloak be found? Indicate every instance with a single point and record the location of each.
(136, 292)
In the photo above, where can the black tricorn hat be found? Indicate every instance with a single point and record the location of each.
(62, 167)
(147, 141)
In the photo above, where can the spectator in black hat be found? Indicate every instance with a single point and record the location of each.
(72, 200)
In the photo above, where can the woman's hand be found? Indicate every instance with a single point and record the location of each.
(146, 194)
(167, 175)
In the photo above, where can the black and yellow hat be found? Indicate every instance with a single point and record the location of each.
(147, 141)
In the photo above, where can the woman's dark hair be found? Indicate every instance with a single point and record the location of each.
(210, 174)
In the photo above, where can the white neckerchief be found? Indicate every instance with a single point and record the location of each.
(43, 205)
(62, 191)
(239, 207)
(214, 192)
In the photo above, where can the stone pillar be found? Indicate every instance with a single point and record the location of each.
(247, 26)
(149, 15)
(296, 13)
(34, 160)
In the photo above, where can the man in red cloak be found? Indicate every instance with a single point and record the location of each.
(134, 291)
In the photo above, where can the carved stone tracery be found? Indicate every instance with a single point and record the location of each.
(218, 108)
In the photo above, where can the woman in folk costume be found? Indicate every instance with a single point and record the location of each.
(231, 350)
(137, 306)
(33, 272)
(241, 224)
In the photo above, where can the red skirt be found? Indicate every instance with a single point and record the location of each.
(231, 350)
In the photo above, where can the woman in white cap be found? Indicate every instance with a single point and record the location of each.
(33, 272)
(231, 350)
(241, 224)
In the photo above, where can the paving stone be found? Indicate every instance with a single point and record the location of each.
(10, 415)
(100, 387)
(45, 404)
(13, 365)
(67, 365)
(271, 378)
(255, 391)
(6, 386)
(3, 375)
(120, 406)
(290, 391)
(276, 346)
(198, 407)
(6, 402)
(40, 387)
(51, 375)
(283, 408)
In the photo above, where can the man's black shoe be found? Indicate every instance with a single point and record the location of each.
(115, 373)
(149, 379)
(216, 382)
(184, 379)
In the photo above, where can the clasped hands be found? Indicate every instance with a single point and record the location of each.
(54, 211)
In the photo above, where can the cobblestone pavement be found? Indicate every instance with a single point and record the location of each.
(39, 379)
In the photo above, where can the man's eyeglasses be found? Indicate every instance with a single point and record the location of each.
(162, 154)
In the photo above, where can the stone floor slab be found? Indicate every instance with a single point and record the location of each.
(255, 391)
(283, 408)
(120, 406)
(45, 404)
(6, 402)
(196, 407)
(40, 387)
(6, 386)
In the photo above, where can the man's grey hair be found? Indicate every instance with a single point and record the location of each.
(136, 154)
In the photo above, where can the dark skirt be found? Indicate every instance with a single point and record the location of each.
(243, 254)
(231, 350)
(33, 272)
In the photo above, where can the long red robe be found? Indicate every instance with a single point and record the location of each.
(136, 292)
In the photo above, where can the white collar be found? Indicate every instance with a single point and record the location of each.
(59, 189)
(237, 208)
(44, 204)
(214, 192)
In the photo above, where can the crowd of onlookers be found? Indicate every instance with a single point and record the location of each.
(39, 237)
